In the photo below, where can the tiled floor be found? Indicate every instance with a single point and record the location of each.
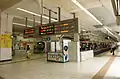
(22, 57)
(40, 69)
(114, 70)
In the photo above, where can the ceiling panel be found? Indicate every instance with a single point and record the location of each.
(85, 21)
(89, 3)
(103, 14)
(4, 4)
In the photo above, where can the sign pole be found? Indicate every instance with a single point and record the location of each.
(74, 16)
(59, 14)
(41, 21)
(49, 16)
(26, 21)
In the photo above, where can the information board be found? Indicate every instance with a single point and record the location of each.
(63, 27)
(29, 31)
(47, 29)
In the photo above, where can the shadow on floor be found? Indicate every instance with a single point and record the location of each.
(107, 55)
(12, 62)
(18, 59)
(112, 77)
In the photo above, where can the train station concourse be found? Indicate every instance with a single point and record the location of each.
(59, 39)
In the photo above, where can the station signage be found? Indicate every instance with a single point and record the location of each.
(63, 27)
(29, 32)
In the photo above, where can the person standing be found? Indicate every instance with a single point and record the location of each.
(13, 50)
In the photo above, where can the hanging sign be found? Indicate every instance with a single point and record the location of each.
(29, 32)
(62, 27)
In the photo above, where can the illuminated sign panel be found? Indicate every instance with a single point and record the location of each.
(29, 32)
(63, 27)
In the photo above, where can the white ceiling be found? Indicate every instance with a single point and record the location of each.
(102, 9)
(4, 5)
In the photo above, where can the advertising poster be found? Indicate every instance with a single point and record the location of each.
(5, 41)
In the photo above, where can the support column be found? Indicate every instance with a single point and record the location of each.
(74, 49)
(75, 54)
(5, 36)
(77, 42)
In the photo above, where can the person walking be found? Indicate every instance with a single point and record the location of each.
(28, 52)
(113, 49)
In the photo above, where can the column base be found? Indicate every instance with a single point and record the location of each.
(5, 60)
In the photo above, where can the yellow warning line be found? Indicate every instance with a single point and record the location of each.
(104, 69)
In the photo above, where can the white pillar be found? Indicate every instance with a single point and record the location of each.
(77, 42)
(74, 49)
(5, 28)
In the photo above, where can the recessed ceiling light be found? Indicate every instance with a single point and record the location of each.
(83, 30)
(34, 13)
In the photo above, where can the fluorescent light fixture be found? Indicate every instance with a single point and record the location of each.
(83, 30)
(86, 11)
(109, 31)
(21, 24)
(34, 13)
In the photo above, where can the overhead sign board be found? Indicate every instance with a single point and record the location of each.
(56, 28)
(29, 32)
(63, 27)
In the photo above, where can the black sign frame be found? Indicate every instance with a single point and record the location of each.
(62, 27)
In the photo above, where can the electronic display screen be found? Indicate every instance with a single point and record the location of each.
(63, 27)
(29, 31)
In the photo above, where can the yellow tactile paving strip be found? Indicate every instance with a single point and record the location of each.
(104, 69)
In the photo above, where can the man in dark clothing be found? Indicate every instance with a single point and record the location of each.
(28, 51)
(113, 49)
